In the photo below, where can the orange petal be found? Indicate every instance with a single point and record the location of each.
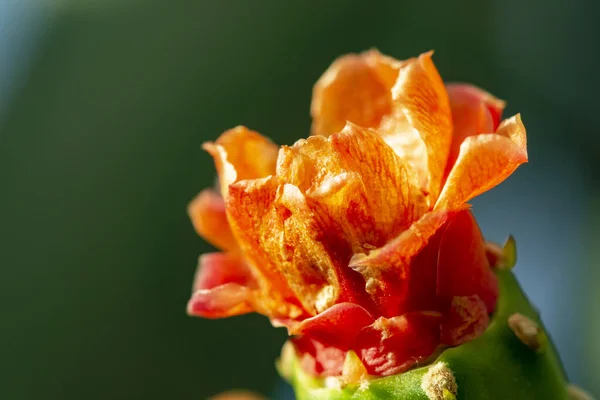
(404, 101)
(352, 89)
(420, 126)
(474, 111)
(355, 184)
(483, 162)
(257, 226)
(239, 154)
(207, 212)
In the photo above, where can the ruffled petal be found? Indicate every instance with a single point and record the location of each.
(420, 127)
(401, 275)
(207, 212)
(355, 184)
(352, 89)
(462, 267)
(239, 154)
(483, 162)
(257, 226)
(393, 345)
(474, 111)
(404, 101)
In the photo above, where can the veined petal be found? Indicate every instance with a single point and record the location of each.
(474, 111)
(239, 154)
(404, 101)
(483, 162)
(257, 227)
(356, 184)
(298, 250)
(310, 257)
(420, 127)
(207, 212)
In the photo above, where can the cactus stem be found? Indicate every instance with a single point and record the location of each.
(527, 331)
(439, 383)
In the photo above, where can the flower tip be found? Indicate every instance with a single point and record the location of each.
(509, 252)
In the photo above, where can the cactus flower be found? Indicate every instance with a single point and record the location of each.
(359, 239)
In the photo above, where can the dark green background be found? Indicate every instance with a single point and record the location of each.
(100, 152)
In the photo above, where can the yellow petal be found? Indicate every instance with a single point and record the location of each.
(483, 162)
(207, 212)
(239, 154)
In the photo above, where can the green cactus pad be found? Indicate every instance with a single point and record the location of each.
(497, 365)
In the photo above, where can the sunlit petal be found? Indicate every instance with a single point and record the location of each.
(483, 162)
(420, 126)
(240, 153)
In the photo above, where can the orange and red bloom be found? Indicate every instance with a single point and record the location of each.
(360, 237)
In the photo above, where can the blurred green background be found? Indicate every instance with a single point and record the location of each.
(104, 106)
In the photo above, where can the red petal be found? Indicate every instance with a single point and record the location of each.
(222, 287)
(222, 301)
(390, 346)
(395, 277)
(463, 267)
(338, 325)
(215, 269)
(467, 319)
